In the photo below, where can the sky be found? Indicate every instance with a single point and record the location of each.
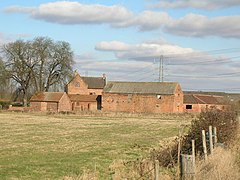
(198, 42)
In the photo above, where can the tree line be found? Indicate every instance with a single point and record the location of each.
(33, 66)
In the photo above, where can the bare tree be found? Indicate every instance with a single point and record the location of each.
(38, 64)
(19, 63)
(55, 60)
(3, 79)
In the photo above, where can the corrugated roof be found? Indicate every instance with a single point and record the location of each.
(47, 97)
(82, 98)
(166, 88)
(94, 82)
(190, 99)
(202, 99)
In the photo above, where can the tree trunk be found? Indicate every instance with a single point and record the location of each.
(25, 98)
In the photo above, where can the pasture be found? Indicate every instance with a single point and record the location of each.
(56, 146)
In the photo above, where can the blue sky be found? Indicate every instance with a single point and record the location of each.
(199, 40)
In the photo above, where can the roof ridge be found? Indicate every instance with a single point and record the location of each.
(91, 77)
(140, 82)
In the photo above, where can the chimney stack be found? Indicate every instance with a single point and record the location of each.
(104, 78)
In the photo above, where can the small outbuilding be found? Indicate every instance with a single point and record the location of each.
(85, 102)
(143, 97)
(50, 101)
(201, 102)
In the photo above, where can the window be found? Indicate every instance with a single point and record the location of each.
(188, 106)
(77, 84)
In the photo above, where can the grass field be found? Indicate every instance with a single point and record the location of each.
(41, 146)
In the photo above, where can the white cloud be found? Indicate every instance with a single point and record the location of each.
(203, 4)
(201, 26)
(143, 51)
(114, 69)
(67, 12)
(191, 25)
(147, 20)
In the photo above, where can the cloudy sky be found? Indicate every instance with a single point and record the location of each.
(198, 41)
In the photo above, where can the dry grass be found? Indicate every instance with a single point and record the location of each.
(220, 166)
(55, 146)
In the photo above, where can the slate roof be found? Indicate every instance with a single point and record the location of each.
(82, 98)
(162, 88)
(47, 97)
(94, 82)
(202, 99)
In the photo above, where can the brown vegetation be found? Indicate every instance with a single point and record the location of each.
(227, 126)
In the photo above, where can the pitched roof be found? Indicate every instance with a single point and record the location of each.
(47, 97)
(83, 98)
(190, 99)
(202, 99)
(164, 88)
(94, 82)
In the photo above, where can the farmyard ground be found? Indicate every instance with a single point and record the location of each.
(47, 146)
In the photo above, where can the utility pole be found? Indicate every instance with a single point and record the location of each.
(160, 69)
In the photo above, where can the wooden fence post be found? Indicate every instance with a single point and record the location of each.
(194, 160)
(187, 167)
(204, 144)
(215, 136)
(210, 139)
(156, 170)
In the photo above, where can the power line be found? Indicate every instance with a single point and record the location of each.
(206, 62)
(173, 55)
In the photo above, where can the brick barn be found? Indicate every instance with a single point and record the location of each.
(198, 102)
(86, 92)
(143, 97)
(50, 101)
(84, 102)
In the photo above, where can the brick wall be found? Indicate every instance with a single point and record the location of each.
(35, 106)
(78, 86)
(141, 103)
(84, 106)
(197, 108)
(52, 106)
(64, 103)
(178, 100)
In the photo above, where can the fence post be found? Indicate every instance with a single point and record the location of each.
(215, 136)
(194, 160)
(187, 167)
(210, 139)
(204, 144)
(156, 170)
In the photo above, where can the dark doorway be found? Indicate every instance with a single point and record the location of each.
(99, 102)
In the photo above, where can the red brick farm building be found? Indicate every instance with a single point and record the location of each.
(50, 101)
(143, 97)
(196, 103)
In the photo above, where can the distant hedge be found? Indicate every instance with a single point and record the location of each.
(4, 104)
